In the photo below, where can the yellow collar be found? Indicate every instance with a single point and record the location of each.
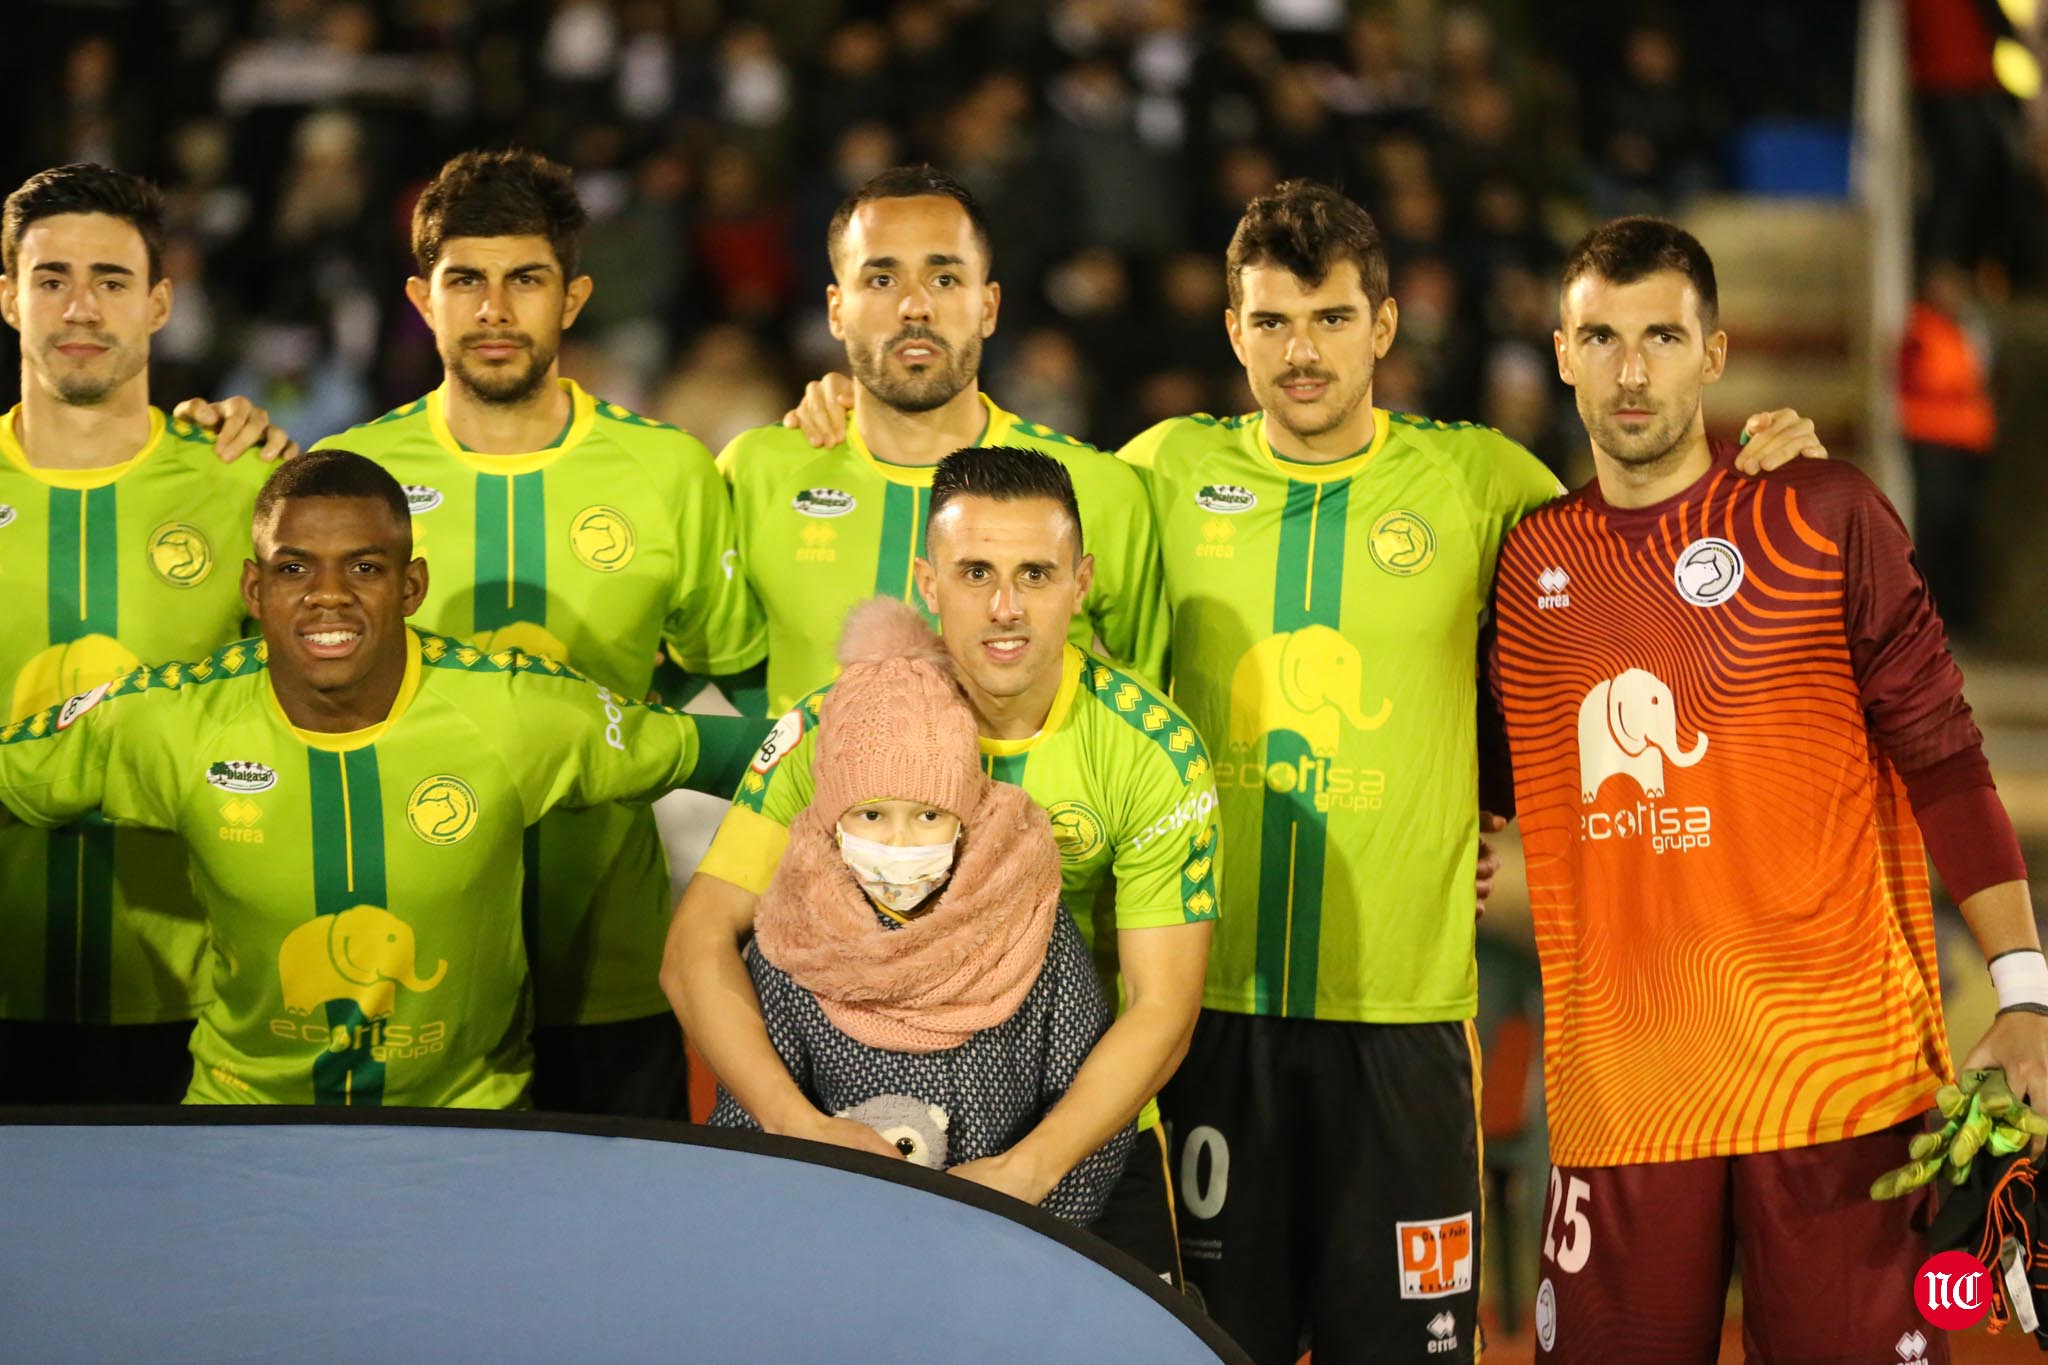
(349, 740)
(1303, 472)
(10, 447)
(582, 416)
(1062, 702)
(995, 424)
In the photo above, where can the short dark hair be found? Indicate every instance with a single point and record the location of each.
(330, 473)
(1306, 228)
(1628, 249)
(84, 187)
(513, 193)
(1006, 474)
(909, 182)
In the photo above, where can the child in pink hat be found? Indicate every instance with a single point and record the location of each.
(912, 945)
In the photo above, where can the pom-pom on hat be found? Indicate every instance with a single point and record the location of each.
(895, 725)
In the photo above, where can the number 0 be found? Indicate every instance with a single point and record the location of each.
(1204, 1198)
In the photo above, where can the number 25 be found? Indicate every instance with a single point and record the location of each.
(1578, 1233)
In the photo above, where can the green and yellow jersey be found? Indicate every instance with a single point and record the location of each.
(362, 889)
(1119, 770)
(598, 550)
(820, 530)
(99, 569)
(1325, 624)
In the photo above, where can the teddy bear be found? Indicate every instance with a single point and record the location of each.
(917, 1129)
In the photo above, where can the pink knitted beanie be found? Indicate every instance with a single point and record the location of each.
(895, 724)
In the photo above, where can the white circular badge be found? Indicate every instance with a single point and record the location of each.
(1708, 572)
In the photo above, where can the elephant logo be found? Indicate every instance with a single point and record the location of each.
(1402, 544)
(67, 670)
(1708, 572)
(441, 810)
(362, 954)
(180, 555)
(1306, 681)
(1629, 725)
(602, 538)
(1077, 830)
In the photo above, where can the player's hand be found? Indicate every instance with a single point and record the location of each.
(838, 1132)
(2017, 1045)
(1006, 1174)
(1777, 437)
(1489, 860)
(238, 425)
(821, 416)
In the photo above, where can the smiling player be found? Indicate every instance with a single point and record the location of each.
(353, 797)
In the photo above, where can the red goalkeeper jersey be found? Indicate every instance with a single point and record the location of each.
(1710, 702)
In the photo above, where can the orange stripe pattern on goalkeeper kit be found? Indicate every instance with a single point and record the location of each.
(1729, 892)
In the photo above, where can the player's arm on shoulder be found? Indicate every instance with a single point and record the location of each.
(821, 413)
(1777, 437)
(103, 750)
(238, 426)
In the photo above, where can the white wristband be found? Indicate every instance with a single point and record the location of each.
(2021, 978)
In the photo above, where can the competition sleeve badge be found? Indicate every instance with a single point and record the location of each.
(784, 737)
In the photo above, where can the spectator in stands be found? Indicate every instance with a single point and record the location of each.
(1946, 414)
(1968, 132)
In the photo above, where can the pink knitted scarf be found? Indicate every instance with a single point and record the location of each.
(962, 966)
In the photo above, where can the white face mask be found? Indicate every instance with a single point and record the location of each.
(899, 876)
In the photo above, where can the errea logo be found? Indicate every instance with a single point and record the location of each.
(1553, 582)
(1443, 1333)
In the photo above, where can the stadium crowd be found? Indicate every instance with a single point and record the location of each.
(1114, 142)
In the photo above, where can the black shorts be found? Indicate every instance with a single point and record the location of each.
(1330, 1186)
(1138, 1217)
(59, 1063)
(634, 1068)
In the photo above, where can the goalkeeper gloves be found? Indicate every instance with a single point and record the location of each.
(1980, 1113)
